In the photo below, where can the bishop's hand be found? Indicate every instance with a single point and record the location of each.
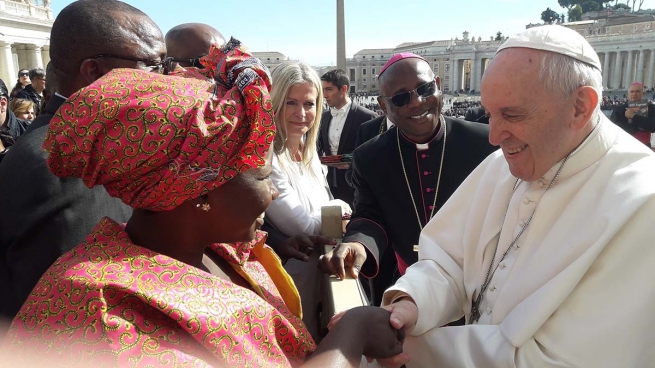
(349, 256)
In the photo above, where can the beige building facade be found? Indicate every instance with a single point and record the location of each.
(24, 36)
(625, 43)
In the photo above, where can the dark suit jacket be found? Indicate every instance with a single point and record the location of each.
(638, 123)
(41, 216)
(347, 143)
(50, 109)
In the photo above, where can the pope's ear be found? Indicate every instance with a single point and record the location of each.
(586, 100)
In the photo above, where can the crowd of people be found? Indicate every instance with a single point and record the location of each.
(162, 206)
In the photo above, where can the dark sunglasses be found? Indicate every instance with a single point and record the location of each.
(403, 98)
(170, 63)
(23, 74)
(155, 66)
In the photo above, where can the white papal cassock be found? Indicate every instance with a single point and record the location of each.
(579, 291)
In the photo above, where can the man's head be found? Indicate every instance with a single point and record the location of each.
(190, 41)
(4, 102)
(542, 102)
(37, 78)
(411, 96)
(91, 37)
(335, 88)
(636, 92)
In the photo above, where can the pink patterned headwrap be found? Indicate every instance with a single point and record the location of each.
(156, 141)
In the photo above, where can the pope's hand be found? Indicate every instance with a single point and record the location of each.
(346, 255)
(404, 313)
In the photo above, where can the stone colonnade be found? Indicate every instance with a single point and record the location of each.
(620, 69)
(16, 56)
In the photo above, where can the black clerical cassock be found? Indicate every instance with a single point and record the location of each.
(386, 214)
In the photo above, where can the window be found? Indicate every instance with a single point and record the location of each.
(447, 67)
(446, 78)
(364, 71)
(268, 59)
(373, 57)
(373, 86)
(436, 68)
(373, 71)
(364, 57)
(278, 59)
(352, 74)
(363, 79)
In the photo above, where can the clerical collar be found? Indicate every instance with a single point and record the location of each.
(436, 138)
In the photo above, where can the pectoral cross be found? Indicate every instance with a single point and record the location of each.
(475, 310)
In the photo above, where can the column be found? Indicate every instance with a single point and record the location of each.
(454, 80)
(640, 67)
(651, 69)
(45, 56)
(616, 80)
(7, 72)
(475, 73)
(34, 56)
(627, 80)
(341, 36)
(606, 71)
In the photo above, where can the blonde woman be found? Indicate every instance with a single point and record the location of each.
(297, 173)
(23, 109)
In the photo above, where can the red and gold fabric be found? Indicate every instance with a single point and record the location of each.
(166, 139)
(109, 302)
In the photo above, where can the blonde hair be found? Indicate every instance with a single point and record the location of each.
(284, 76)
(20, 106)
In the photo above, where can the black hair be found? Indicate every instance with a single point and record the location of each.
(3, 90)
(86, 28)
(337, 77)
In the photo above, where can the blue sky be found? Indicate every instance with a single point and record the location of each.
(306, 30)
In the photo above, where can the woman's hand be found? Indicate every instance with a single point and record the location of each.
(302, 246)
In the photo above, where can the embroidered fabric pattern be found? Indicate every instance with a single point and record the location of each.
(110, 302)
(169, 139)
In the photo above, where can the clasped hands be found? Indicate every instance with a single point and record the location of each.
(384, 339)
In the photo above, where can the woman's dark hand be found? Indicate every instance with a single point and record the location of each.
(302, 246)
(372, 325)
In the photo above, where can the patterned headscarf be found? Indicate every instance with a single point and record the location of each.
(156, 141)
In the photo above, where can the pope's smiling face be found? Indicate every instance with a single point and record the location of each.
(532, 125)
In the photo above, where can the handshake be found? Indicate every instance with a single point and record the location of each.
(379, 331)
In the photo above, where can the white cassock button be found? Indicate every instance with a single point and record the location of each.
(492, 288)
(526, 200)
(540, 183)
(521, 223)
(502, 265)
(488, 310)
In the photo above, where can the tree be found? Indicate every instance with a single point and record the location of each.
(641, 2)
(590, 5)
(621, 6)
(575, 14)
(499, 36)
(567, 3)
(549, 16)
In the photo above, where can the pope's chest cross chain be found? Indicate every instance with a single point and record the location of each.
(475, 308)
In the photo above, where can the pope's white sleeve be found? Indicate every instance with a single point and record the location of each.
(475, 346)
